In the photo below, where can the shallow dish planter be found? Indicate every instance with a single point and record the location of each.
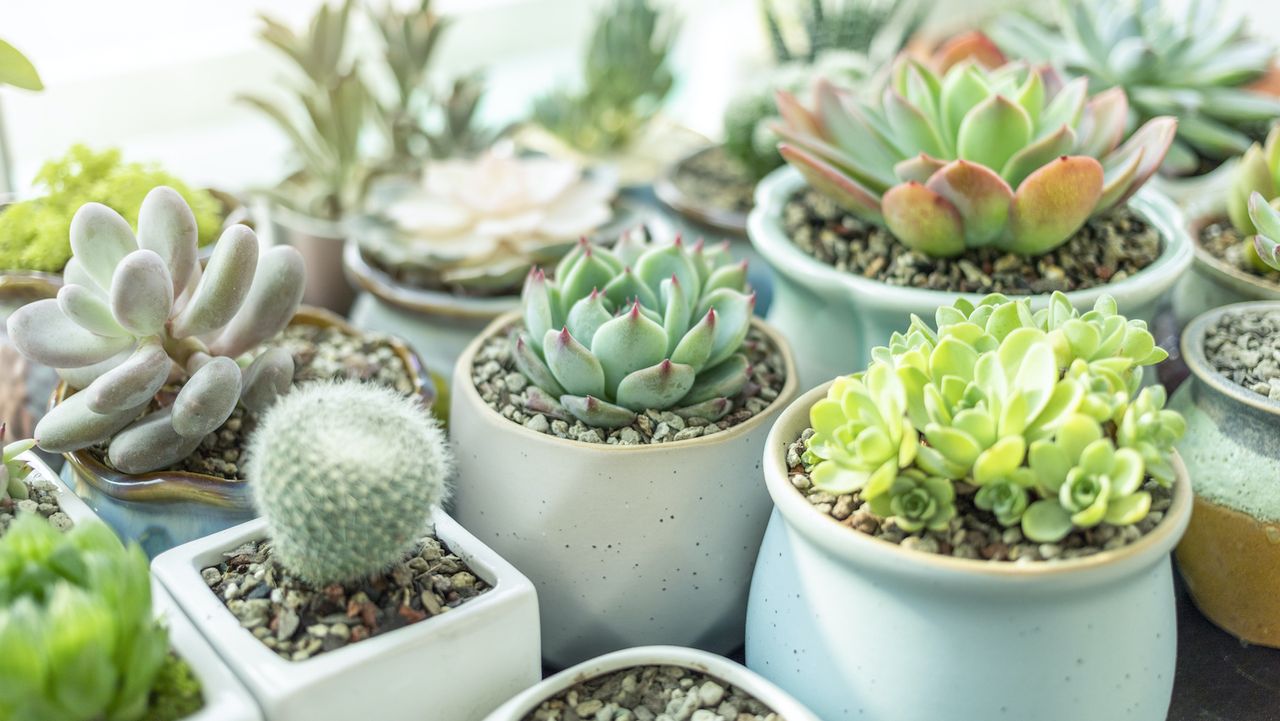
(457, 666)
(833, 318)
(850, 624)
(1230, 557)
(719, 668)
(166, 508)
(1213, 282)
(627, 544)
(703, 187)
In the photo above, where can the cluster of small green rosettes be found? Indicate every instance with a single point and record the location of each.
(641, 326)
(1042, 412)
(332, 514)
(1253, 202)
(79, 639)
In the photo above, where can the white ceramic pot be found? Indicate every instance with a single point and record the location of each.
(454, 667)
(68, 502)
(627, 545)
(719, 667)
(860, 628)
(833, 318)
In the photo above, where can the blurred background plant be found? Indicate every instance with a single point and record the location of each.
(15, 70)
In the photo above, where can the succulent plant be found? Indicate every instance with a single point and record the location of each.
(346, 474)
(1040, 412)
(76, 626)
(13, 471)
(626, 82)
(1266, 220)
(643, 326)
(1002, 158)
(478, 225)
(33, 233)
(1195, 66)
(821, 26)
(135, 310)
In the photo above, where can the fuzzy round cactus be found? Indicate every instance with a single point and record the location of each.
(1010, 158)
(138, 311)
(346, 475)
(1042, 413)
(641, 326)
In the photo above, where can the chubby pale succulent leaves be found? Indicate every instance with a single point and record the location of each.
(1195, 65)
(13, 471)
(1266, 220)
(136, 312)
(1009, 158)
(76, 626)
(641, 326)
(1041, 411)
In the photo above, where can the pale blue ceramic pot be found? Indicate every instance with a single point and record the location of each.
(859, 628)
(833, 319)
(1212, 283)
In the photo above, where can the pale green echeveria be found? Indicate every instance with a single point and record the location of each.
(76, 625)
(1258, 172)
(1266, 219)
(137, 311)
(642, 326)
(1152, 430)
(13, 471)
(1009, 158)
(915, 501)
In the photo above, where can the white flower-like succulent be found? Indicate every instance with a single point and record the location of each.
(498, 214)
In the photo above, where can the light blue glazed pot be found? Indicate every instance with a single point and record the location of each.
(833, 319)
(859, 628)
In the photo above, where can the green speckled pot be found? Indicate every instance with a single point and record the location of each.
(1230, 557)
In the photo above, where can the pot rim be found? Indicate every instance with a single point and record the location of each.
(378, 283)
(170, 486)
(717, 667)
(765, 231)
(869, 551)
(464, 390)
(1193, 355)
(1219, 270)
(673, 197)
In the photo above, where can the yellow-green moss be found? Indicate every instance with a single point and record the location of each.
(34, 234)
(176, 694)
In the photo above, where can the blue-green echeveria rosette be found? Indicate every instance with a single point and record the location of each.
(1040, 415)
(643, 325)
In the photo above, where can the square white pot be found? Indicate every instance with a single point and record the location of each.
(68, 502)
(454, 667)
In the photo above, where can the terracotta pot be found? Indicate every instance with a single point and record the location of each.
(1230, 557)
(858, 627)
(162, 509)
(627, 545)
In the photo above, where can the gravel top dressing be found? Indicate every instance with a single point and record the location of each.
(1245, 347)
(505, 389)
(973, 533)
(653, 693)
(1225, 243)
(713, 179)
(1107, 249)
(42, 498)
(298, 621)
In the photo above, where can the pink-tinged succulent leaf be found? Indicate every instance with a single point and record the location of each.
(965, 46)
(845, 128)
(538, 305)
(142, 293)
(628, 343)
(921, 89)
(1067, 106)
(207, 398)
(1117, 180)
(924, 220)
(720, 381)
(993, 131)
(920, 168)
(578, 372)
(1106, 116)
(1154, 137)
(1031, 95)
(1265, 216)
(1039, 153)
(597, 413)
(626, 288)
(43, 334)
(914, 131)
(1268, 251)
(962, 89)
(826, 179)
(711, 411)
(677, 310)
(150, 444)
(531, 365)
(590, 272)
(223, 287)
(538, 401)
(660, 386)
(839, 157)
(167, 226)
(979, 194)
(268, 377)
(796, 116)
(100, 238)
(732, 321)
(732, 276)
(89, 310)
(71, 426)
(1052, 204)
(132, 383)
(662, 263)
(274, 297)
(586, 316)
(695, 347)
(1253, 175)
